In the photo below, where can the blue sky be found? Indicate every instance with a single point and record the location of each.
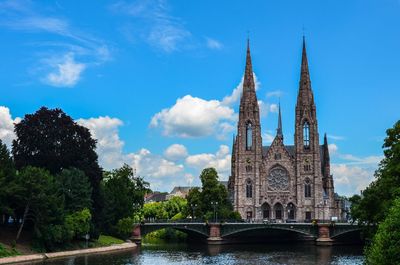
(158, 81)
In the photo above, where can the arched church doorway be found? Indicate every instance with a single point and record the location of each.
(291, 209)
(266, 210)
(278, 211)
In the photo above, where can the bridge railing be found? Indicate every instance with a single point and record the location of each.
(158, 221)
(255, 221)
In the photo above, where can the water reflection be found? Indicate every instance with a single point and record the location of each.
(302, 254)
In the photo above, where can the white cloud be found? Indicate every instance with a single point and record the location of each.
(213, 44)
(332, 148)
(268, 137)
(196, 117)
(66, 73)
(176, 152)
(335, 137)
(55, 56)
(193, 117)
(157, 26)
(234, 97)
(189, 179)
(352, 174)
(109, 146)
(350, 179)
(159, 171)
(276, 93)
(354, 160)
(152, 165)
(7, 126)
(273, 108)
(221, 161)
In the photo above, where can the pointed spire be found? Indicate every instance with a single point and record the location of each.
(305, 95)
(279, 129)
(305, 75)
(248, 80)
(304, 62)
(326, 148)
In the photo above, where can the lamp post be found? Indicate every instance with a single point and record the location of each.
(319, 210)
(215, 204)
(323, 208)
(193, 206)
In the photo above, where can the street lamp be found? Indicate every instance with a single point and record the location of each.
(324, 208)
(193, 206)
(215, 204)
(319, 211)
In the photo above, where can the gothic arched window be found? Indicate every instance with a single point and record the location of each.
(306, 135)
(249, 136)
(249, 189)
(307, 188)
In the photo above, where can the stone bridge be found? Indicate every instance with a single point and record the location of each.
(219, 233)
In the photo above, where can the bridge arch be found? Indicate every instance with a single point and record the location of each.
(345, 234)
(199, 230)
(267, 228)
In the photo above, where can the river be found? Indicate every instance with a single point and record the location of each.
(182, 254)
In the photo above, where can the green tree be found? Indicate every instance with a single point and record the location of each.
(77, 224)
(194, 203)
(123, 194)
(50, 139)
(36, 193)
(174, 206)
(385, 247)
(76, 189)
(212, 191)
(7, 176)
(154, 210)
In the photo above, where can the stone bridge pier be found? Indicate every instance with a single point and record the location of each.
(137, 234)
(214, 237)
(324, 235)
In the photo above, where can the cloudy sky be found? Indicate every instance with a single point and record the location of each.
(158, 81)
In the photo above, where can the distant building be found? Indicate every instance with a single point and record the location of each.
(156, 197)
(179, 191)
(342, 208)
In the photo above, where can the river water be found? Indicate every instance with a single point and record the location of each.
(184, 254)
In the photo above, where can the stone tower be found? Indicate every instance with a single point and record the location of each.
(307, 149)
(247, 151)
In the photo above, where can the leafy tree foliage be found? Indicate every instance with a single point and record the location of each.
(77, 224)
(174, 208)
(7, 175)
(50, 139)
(35, 191)
(385, 247)
(212, 191)
(76, 189)
(123, 194)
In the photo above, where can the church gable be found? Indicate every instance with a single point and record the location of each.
(277, 151)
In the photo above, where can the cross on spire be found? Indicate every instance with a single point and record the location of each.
(279, 129)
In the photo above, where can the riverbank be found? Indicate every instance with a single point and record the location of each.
(63, 254)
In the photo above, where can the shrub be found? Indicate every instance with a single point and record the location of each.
(385, 246)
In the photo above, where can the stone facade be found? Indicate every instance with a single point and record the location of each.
(281, 182)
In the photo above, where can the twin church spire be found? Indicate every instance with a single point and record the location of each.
(305, 95)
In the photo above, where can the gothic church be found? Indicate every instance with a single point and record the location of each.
(281, 182)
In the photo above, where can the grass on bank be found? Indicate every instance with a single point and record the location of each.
(4, 252)
(105, 241)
